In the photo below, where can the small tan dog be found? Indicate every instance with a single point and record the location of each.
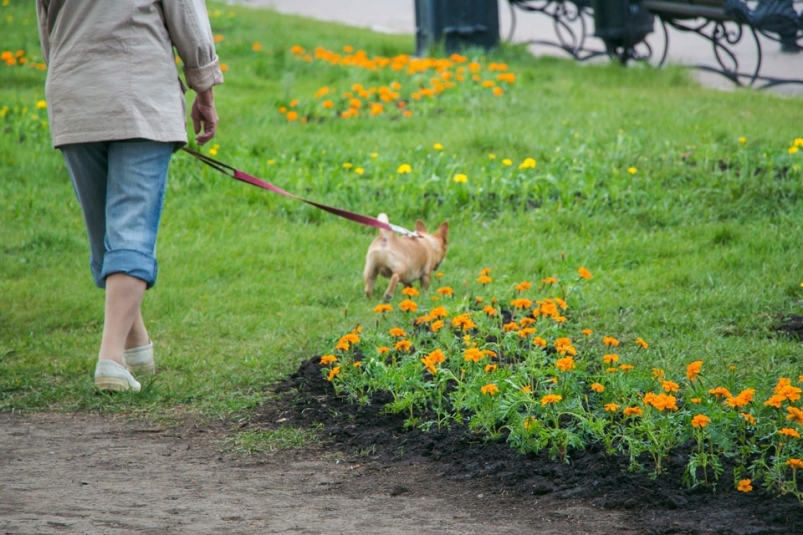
(404, 259)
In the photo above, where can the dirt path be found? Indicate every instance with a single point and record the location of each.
(94, 474)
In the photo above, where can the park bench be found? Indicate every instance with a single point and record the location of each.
(626, 28)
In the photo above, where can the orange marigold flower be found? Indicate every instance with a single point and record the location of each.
(490, 389)
(670, 386)
(522, 286)
(587, 332)
(789, 432)
(610, 359)
(436, 326)
(742, 399)
(612, 370)
(661, 401)
(521, 303)
(694, 369)
(720, 391)
(342, 345)
(526, 321)
(382, 349)
(490, 368)
(744, 485)
(795, 414)
(485, 271)
(774, 401)
(426, 318)
(749, 418)
(550, 398)
(658, 373)
(611, 407)
(640, 341)
(328, 359)
(512, 326)
(584, 273)
(333, 372)
(696, 401)
(445, 290)
(409, 291)
(564, 346)
(473, 354)
(700, 420)
(794, 464)
(488, 309)
(785, 389)
(524, 333)
(484, 279)
(565, 364)
(610, 341)
(632, 411)
(598, 388)
(538, 341)
(403, 345)
(292, 115)
(526, 389)
(395, 331)
(357, 364)
(383, 307)
(549, 280)
(439, 312)
(408, 306)
(626, 367)
(464, 322)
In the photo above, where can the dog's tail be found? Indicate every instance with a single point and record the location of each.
(385, 233)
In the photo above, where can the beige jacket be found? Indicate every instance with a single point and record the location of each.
(112, 71)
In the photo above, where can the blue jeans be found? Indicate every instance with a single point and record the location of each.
(121, 187)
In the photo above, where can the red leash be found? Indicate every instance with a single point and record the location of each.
(258, 182)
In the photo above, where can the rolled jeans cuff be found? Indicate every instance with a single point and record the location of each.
(133, 263)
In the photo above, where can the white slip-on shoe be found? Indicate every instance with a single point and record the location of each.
(139, 360)
(111, 377)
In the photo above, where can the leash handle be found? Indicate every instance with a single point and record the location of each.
(258, 182)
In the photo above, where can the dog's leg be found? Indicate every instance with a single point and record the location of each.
(370, 274)
(425, 278)
(394, 280)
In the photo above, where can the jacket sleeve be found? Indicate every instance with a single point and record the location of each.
(188, 24)
(44, 28)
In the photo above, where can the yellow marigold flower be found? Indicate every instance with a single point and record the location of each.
(357, 364)
(550, 398)
(490, 389)
(658, 373)
(512, 326)
(696, 401)
(41, 104)
(670, 386)
(333, 372)
(720, 391)
(598, 388)
(526, 389)
(404, 169)
(528, 163)
(507, 161)
(382, 350)
(522, 286)
(348, 165)
(256, 47)
(794, 464)
(700, 420)
(328, 359)
(610, 341)
(410, 291)
(445, 290)
(473, 354)
(484, 279)
(742, 139)
(437, 146)
(693, 370)
(490, 368)
(529, 422)
(792, 150)
(521, 303)
(744, 485)
(626, 367)
(611, 407)
(538, 341)
(789, 432)
(408, 306)
(584, 273)
(795, 415)
(436, 326)
(798, 142)
(632, 411)
(642, 343)
(396, 331)
(383, 307)
(403, 345)
(549, 280)
(565, 364)
(632, 170)
(461, 178)
(749, 418)
(612, 370)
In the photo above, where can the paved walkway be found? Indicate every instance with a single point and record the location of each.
(398, 16)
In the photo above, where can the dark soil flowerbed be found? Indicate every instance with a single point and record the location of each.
(660, 505)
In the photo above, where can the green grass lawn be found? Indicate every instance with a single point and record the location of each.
(693, 234)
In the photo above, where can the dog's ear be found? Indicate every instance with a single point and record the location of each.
(419, 226)
(443, 231)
